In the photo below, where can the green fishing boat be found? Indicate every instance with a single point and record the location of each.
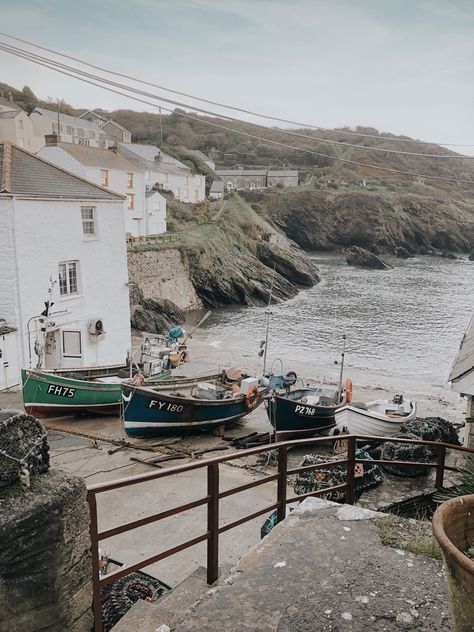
(54, 394)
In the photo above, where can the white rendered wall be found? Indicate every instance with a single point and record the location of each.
(465, 384)
(186, 187)
(156, 214)
(50, 232)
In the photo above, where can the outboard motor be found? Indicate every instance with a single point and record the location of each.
(398, 399)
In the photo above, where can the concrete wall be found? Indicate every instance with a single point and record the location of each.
(162, 274)
(50, 232)
(19, 130)
(45, 564)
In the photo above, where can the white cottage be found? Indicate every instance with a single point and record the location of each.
(462, 371)
(108, 169)
(165, 172)
(16, 127)
(62, 239)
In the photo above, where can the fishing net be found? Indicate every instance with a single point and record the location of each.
(119, 596)
(406, 452)
(369, 476)
(432, 429)
(23, 447)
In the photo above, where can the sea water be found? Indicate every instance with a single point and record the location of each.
(403, 326)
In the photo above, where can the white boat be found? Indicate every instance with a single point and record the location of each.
(379, 417)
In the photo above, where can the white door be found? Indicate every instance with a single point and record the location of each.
(52, 350)
(9, 366)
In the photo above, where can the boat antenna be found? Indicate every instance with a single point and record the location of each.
(339, 389)
(267, 321)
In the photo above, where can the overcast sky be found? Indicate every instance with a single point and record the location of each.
(404, 66)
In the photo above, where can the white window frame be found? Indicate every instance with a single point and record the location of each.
(104, 175)
(63, 343)
(69, 266)
(89, 222)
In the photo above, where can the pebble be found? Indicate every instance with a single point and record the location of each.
(280, 564)
(404, 617)
(362, 599)
(346, 616)
(291, 610)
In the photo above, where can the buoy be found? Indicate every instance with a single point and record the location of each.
(348, 391)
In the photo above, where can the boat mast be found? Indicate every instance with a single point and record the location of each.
(339, 390)
(267, 323)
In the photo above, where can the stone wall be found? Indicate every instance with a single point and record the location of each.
(162, 274)
(45, 563)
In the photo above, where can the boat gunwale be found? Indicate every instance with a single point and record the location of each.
(151, 393)
(84, 385)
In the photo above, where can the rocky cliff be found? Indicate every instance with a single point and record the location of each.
(223, 258)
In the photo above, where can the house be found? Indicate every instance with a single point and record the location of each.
(462, 371)
(216, 192)
(257, 178)
(155, 204)
(108, 169)
(16, 127)
(71, 129)
(62, 243)
(165, 172)
(115, 133)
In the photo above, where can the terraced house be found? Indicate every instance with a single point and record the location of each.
(64, 274)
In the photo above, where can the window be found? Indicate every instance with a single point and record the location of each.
(131, 201)
(130, 180)
(72, 347)
(68, 278)
(70, 130)
(88, 220)
(20, 125)
(104, 174)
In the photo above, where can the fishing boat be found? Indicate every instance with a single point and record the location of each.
(307, 410)
(198, 404)
(379, 417)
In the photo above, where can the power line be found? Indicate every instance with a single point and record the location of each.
(34, 57)
(226, 106)
(241, 132)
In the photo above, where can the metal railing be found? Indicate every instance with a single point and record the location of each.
(214, 495)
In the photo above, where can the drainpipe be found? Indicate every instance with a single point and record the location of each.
(21, 324)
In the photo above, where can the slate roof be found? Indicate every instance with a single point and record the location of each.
(9, 114)
(144, 157)
(10, 104)
(22, 173)
(464, 361)
(199, 154)
(99, 157)
(284, 173)
(241, 172)
(66, 119)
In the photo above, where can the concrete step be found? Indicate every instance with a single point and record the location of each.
(147, 617)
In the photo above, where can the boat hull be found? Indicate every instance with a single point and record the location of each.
(365, 422)
(52, 395)
(149, 413)
(292, 419)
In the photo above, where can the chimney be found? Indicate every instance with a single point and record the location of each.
(114, 148)
(157, 157)
(10, 96)
(52, 139)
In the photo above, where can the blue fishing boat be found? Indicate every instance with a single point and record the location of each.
(193, 405)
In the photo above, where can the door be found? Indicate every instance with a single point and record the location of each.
(9, 366)
(52, 350)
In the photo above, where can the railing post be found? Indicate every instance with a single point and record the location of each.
(213, 523)
(440, 466)
(350, 476)
(96, 589)
(281, 489)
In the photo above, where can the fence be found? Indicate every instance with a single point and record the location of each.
(151, 239)
(214, 495)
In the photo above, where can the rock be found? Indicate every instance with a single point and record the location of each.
(235, 276)
(471, 257)
(447, 255)
(154, 315)
(291, 263)
(24, 442)
(356, 256)
(402, 253)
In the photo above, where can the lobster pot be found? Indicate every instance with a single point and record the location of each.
(247, 384)
(207, 390)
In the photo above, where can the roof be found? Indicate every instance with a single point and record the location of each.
(217, 187)
(144, 157)
(22, 173)
(66, 119)
(153, 192)
(10, 114)
(199, 154)
(241, 172)
(103, 120)
(10, 104)
(464, 360)
(286, 173)
(99, 157)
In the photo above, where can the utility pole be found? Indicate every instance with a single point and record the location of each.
(59, 132)
(161, 127)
